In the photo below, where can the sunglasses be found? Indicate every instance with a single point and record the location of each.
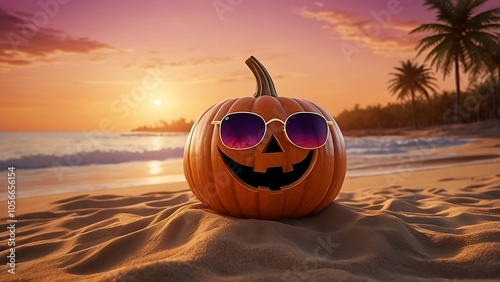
(245, 130)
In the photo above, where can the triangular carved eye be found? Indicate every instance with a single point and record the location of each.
(273, 146)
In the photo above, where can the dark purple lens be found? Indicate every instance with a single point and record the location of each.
(242, 130)
(307, 130)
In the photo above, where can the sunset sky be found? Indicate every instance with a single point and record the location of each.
(86, 65)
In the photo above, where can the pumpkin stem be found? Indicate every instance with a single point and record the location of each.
(265, 85)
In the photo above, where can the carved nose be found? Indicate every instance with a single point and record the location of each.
(273, 146)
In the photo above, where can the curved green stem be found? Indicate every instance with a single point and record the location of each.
(265, 85)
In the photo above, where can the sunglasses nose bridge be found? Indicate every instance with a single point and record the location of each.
(283, 128)
(274, 125)
(274, 119)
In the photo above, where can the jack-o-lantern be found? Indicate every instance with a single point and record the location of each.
(265, 156)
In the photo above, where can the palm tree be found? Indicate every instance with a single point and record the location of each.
(490, 65)
(409, 80)
(458, 36)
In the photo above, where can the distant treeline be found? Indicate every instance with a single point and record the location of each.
(178, 125)
(477, 104)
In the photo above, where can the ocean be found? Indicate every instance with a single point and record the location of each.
(57, 162)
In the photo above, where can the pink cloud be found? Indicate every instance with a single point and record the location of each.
(22, 43)
(382, 36)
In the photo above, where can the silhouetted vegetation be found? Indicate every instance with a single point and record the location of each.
(179, 125)
(408, 81)
(439, 109)
(459, 39)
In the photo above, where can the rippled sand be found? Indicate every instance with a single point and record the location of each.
(393, 232)
(417, 223)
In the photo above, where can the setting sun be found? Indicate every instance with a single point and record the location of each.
(157, 102)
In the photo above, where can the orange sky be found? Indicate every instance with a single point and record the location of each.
(89, 65)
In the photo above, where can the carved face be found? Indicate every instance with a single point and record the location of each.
(274, 163)
(270, 179)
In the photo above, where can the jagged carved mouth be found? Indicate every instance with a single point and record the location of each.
(274, 178)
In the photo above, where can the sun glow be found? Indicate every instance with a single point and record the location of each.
(157, 102)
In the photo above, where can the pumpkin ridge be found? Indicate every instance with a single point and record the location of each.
(340, 162)
(302, 190)
(235, 105)
(307, 106)
(215, 136)
(187, 159)
(327, 192)
(240, 105)
(187, 163)
(286, 101)
(206, 194)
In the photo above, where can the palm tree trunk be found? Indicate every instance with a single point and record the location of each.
(457, 83)
(414, 107)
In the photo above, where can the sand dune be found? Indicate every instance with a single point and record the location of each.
(384, 233)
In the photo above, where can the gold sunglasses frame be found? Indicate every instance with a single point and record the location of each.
(219, 122)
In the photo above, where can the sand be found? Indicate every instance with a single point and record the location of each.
(440, 224)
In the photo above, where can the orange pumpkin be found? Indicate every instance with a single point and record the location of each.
(274, 178)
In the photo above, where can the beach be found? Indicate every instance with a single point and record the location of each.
(209, 140)
(427, 219)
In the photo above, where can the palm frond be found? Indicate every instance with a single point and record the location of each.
(484, 18)
(410, 78)
(458, 33)
(483, 39)
(439, 52)
(474, 3)
(447, 63)
(432, 27)
(444, 9)
(430, 41)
